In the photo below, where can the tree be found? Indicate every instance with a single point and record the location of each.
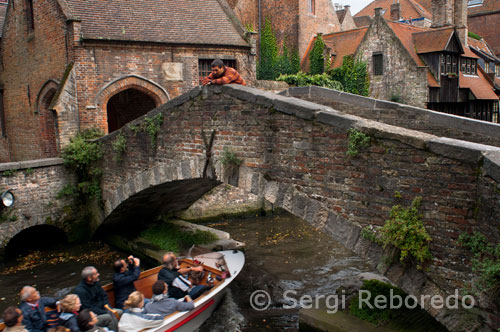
(295, 61)
(266, 68)
(284, 65)
(353, 75)
(316, 57)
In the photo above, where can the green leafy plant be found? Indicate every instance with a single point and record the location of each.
(249, 27)
(229, 158)
(406, 232)
(357, 141)
(295, 61)
(9, 172)
(485, 261)
(28, 171)
(370, 234)
(68, 190)
(152, 126)
(302, 79)
(82, 154)
(171, 237)
(283, 62)
(474, 35)
(119, 146)
(266, 67)
(353, 75)
(316, 57)
(396, 97)
(370, 312)
(135, 129)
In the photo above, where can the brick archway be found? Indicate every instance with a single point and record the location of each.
(48, 119)
(157, 93)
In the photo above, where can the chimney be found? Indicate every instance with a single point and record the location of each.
(378, 12)
(460, 20)
(395, 11)
(442, 13)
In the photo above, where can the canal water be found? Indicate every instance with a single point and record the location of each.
(282, 253)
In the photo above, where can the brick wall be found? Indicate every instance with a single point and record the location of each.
(98, 64)
(35, 185)
(424, 120)
(486, 26)
(30, 58)
(401, 76)
(301, 165)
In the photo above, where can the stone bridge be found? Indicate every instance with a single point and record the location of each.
(294, 155)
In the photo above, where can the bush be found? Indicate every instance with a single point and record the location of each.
(353, 75)
(316, 57)
(405, 231)
(266, 67)
(302, 79)
(357, 141)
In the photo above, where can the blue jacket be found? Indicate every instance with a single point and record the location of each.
(68, 320)
(124, 284)
(92, 296)
(168, 276)
(35, 319)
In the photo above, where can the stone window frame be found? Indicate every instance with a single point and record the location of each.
(378, 65)
(311, 7)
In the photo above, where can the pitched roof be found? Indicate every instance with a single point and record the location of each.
(409, 8)
(166, 21)
(362, 21)
(341, 14)
(479, 85)
(434, 40)
(482, 46)
(3, 11)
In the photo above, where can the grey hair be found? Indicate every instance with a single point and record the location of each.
(169, 260)
(26, 293)
(88, 271)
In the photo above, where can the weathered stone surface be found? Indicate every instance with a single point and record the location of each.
(300, 108)
(492, 165)
(334, 118)
(461, 150)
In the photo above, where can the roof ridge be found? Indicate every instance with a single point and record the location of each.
(341, 32)
(419, 8)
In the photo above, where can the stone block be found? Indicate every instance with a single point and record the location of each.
(491, 165)
(298, 91)
(323, 93)
(300, 108)
(460, 150)
(353, 99)
(336, 119)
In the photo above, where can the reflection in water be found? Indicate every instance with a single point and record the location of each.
(282, 252)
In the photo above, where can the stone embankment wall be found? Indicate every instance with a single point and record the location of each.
(35, 185)
(294, 153)
(401, 115)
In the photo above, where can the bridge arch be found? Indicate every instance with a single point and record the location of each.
(116, 99)
(35, 237)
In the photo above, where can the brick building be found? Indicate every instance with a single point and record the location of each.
(293, 21)
(403, 11)
(70, 65)
(435, 68)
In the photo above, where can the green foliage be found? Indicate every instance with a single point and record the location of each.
(370, 234)
(405, 231)
(168, 236)
(283, 63)
(229, 158)
(397, 194)
(474, 36)
(119, 146)
(396, 97)
(301, 79)
(135, 129)
(486, 262)
(316, 57)
(249, 27)
(68, 190)
(295, 62)
(28, 171)
(9, 172)
(152, 126)
(371, 313)
(353, 75)
(357, 142)
(266, 67)
(82, 155)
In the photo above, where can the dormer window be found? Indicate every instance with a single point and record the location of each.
(486, 67)
(497, 70)
(470, 66)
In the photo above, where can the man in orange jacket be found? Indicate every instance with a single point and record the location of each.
(222, 75)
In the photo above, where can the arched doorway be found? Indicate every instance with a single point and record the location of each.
(126, 106)
(48, 120)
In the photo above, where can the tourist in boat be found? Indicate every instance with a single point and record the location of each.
(87, 322)
(13, 319)
(93, 297)
(33, 309)
(69, 306)
(162, 304)
(124, 277)
(172, 275)
(134, 318)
